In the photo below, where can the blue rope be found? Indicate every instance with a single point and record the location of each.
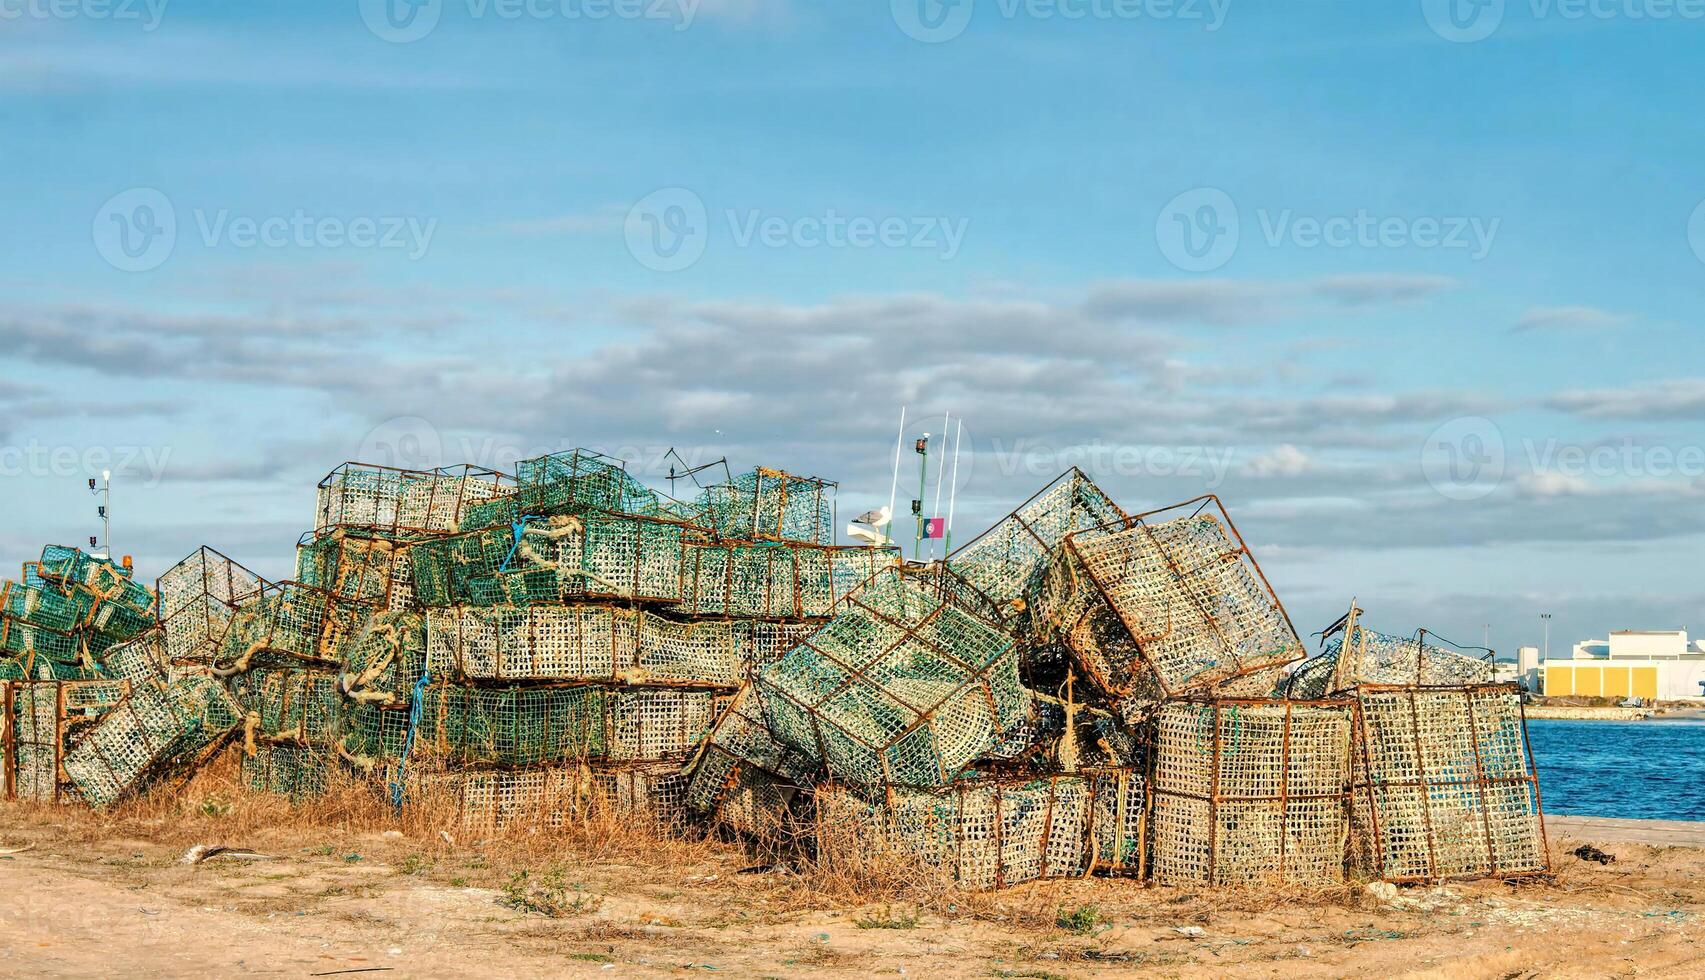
(415, 701)
(519, 528)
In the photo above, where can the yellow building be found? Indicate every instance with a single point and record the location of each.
(1655, 665)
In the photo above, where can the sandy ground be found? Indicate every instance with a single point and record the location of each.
(78, 902)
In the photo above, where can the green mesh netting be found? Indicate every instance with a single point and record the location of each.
(769, 505)
(157, 728)
(774, 580)
(904, 687)
(551, 559)
(361, 495)
(574, 482)
(300, 772)
(1004, 560)
(291, 622)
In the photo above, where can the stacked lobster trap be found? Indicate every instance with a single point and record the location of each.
(1078, 690)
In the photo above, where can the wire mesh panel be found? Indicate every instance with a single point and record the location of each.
(292, 622)
(594, 643)
(199, 596)
(552, 796)
(1381, 658)
(902, 688)
(299, 772)
(993, 832)
(382, 661)
(1445, 785)
(1004, 560)
(32, 644)
(1153, 608)
(139, 660)
(351, 564)
(38, 722)
(744, 777)
(1251, 793)
(285, 704)
(551, 559)
(769, 505)
(365, 495)
(155, 728)
(774, 580)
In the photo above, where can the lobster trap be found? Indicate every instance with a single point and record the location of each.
(552, 559)
(574, 482)
(153, 730)
(393, 500)
(39, 722)
(1444, 784)
(769, 505)
(904, 687)
(356, 564)
(599, 644)
(303, 707)
(138, 660)
(292, 622)
(1251, 793)
(992, 832)
(535, 724)
(777, 580)
(1161, 606)
(199, 597)
(299, 772)
(1004, 560)
(1356, 655)
(553, 796)
(744, 778)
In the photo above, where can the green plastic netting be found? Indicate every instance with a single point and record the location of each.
(574, 482)
(155, 729)
(363, 495)
(904, 687)
(774, 580)
(769, 505)
(552, 559)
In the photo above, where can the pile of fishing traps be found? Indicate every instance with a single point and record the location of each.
(1078, 690)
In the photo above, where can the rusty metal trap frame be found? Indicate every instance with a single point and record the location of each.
(1250, 792)
(292, 623)
(524, 725)
(1382, 658)
(388, 498)
(777, 580)
(137, 660)
(552, 559)
(551, 796)
(28, 667)
(357, 564)
(199, 597)
(769, 505)
(573, 482)
(1160, 606)
(1004, 560)
(743, 777)
(993, 832)
(1444, 784)
(600, 643)
(154, 729)
(31, 645)
(38, 722)
(903, 687)
(67, 566)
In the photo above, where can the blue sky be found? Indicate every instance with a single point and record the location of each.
(1449, 249)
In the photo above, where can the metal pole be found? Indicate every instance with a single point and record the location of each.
(1546, 619)
(941, 471)
(953, 487)
(923, 472)
(894, 487)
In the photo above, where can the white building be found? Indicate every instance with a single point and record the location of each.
(1653, 664)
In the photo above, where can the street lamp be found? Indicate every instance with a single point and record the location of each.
(104, 491)
(1546, 619)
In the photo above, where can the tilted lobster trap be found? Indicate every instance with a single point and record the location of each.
(1251, 792)
(386, 498)
(155, 729)
(904, 687)
(1004, 560)
(785, 580)
(1445, 785)
(598, 643)
(357, 564)
(292, 623)
(769, 505)
(39, 722)
(199, 597)
(992, 832)
(552, 559)
(1356, 655)
(1161, 606)
(744, 778)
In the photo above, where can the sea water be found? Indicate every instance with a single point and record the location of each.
(1648, 770)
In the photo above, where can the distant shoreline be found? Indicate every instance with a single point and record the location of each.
(1569, 712)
